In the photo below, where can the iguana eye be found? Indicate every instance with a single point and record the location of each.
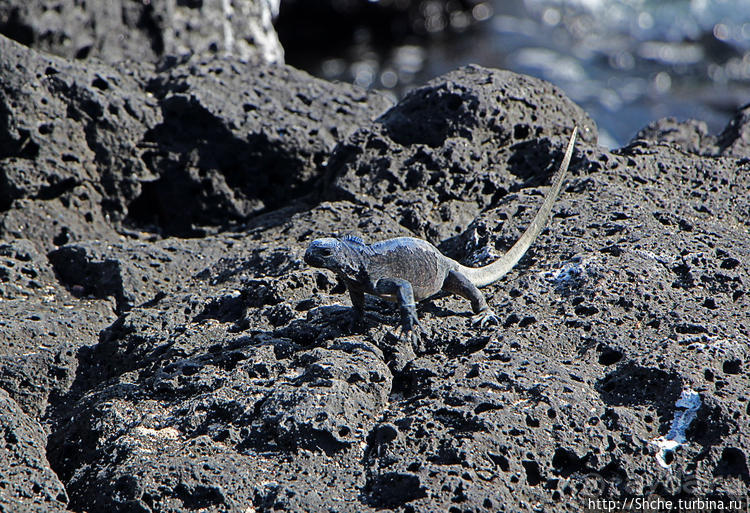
(326, 252)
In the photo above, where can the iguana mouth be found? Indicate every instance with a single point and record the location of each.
(312, 259)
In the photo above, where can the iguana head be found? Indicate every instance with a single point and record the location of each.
(338, 255)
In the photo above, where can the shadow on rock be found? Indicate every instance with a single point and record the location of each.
(633, 385)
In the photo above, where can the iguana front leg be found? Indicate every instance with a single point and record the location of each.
(358, 308)
(457, 283)
(402, 291)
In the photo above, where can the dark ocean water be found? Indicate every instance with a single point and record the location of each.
(627, 63)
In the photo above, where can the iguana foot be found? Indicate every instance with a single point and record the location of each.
(356, 324)
(415, 337)
(485, 318)
(411, 331)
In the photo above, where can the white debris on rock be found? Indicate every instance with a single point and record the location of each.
(569, 272)
(687, 408)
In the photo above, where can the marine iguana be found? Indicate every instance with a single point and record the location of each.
(407, 269)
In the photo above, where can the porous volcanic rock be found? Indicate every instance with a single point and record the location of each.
(85, 148)
(451, 135)
(26, 480)
(119, 30)
(237, 141)
(228, 376)
(734, 141)
(42, 328)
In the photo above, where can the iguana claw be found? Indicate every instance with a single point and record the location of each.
(485, 318)
(411, 331)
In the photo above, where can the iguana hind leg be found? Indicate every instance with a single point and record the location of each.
(457, 283)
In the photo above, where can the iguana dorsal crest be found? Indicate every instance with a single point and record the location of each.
(354, 239)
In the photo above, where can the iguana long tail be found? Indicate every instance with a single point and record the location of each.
(490, 273)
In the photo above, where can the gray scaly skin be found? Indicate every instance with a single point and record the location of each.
(407, 270)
